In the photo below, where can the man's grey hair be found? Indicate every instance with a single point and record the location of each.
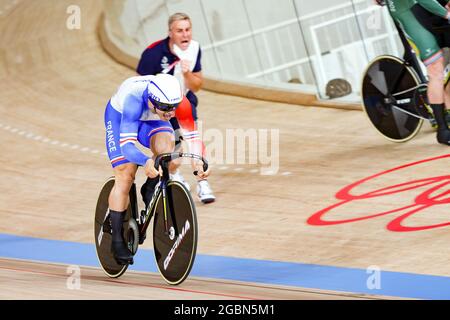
(179, 16)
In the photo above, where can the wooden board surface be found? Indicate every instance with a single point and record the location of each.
(55, 85)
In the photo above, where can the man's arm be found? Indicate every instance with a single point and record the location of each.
(192, 80)
(129, 128)
(434, 7)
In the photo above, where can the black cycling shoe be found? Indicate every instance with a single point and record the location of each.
(121, 253)
(443, 136)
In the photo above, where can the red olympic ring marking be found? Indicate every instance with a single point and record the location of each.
(432, 197)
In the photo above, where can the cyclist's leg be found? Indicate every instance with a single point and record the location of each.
(175, 174)
(162, 142)
(158, 136)
(432, 56)
(447, 87)
(436, 97)
(124, 176)
(447, 96)
(428, 20)
(118, 201)
(435, 72)
(428, 49)
(187, 116)
(124, 173)
(186, 130)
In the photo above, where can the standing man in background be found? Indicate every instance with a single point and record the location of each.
(180, 56)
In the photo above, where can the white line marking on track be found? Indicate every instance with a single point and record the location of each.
(30, 135)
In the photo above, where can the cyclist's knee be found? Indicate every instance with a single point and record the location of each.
(124, 176)
(163, 142)
(125, 171)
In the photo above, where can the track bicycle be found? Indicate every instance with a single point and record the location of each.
(175, 229)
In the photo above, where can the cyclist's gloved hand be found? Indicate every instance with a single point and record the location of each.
(199, 169)
(150, 170)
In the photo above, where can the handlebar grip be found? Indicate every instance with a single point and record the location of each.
(157, 160)
(160, 158)
(171, 156)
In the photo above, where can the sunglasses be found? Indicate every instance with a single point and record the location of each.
(165, 107)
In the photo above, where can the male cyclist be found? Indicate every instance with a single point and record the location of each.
(409, 15)
(138, 112)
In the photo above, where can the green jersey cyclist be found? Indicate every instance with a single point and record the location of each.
(408, 14)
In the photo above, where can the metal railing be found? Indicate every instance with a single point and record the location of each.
(341, 21)
(299, 43)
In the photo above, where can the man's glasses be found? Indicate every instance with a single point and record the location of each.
(164, 107)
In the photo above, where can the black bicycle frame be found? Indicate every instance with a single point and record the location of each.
(163, 160)
(410, 56)
(161, 187)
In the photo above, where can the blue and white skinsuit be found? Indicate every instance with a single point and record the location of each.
(128, 119)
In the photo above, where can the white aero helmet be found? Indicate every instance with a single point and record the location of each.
(164, 92)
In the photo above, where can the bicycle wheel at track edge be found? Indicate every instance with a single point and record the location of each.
(102, 233)
(393, 124)
(175, 255)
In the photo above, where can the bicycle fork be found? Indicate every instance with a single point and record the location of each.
(168, 208)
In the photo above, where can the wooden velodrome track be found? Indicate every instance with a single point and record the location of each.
(55, 83)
